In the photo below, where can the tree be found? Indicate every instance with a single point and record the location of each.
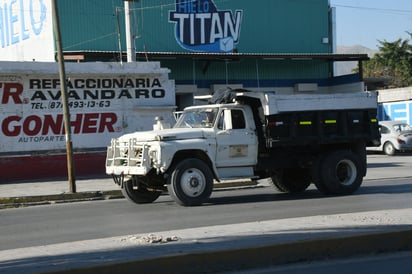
(393, 61)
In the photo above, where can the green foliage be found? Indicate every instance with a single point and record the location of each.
(394, 61)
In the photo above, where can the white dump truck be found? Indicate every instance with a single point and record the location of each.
(292, 139)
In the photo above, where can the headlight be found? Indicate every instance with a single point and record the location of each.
(153, 156)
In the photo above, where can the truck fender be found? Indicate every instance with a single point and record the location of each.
(199, 154)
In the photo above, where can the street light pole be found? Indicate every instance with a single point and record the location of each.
(66, 111)
(131, 49)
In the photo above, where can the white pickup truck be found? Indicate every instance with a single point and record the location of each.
(294, 140)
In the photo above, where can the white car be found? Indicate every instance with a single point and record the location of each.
(395, 136)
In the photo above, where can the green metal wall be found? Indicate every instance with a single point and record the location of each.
(90, 25)
(267, 26)
(247, 72)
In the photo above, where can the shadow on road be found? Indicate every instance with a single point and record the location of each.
(209, 255)
(272, 195)
(382, 165)
(385, 189)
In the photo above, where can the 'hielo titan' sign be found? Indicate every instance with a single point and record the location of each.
(201, 26)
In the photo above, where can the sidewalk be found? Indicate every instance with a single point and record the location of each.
(58, 191)
(20, 194)
(55, 187)
(223, 247)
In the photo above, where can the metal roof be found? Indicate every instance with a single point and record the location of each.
(229, 56)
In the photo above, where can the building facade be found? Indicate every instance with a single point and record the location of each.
(282, 46)
(211, 44)
(207, 44)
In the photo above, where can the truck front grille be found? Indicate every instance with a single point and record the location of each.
(127, 158)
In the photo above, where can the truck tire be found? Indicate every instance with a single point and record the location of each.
(137, 193)
(190, 183)
(316, 174)
(389, 149)
(292, 180)
(339, 172)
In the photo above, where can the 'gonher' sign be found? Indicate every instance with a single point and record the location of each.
(101, 107)
(200, 26)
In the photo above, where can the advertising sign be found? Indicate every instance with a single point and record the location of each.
(201, 26)
(26, 30)
(396, 111)
(102, 106)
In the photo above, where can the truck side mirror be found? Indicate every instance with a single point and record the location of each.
(227, 119)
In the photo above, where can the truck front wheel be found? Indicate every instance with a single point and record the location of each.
(136, 192)
(339, 173)
(190, 183)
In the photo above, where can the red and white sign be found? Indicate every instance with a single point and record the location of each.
(106, 100)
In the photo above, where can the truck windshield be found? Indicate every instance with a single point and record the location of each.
(197, 118)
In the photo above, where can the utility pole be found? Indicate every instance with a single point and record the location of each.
(131, 49)
(66, 111)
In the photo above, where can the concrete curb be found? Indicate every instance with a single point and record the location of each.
(25, 201)
(258, 256)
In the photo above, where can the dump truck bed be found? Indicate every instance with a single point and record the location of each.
(273, 103)
(315, 119)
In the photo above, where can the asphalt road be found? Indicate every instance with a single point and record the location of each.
(41, 225)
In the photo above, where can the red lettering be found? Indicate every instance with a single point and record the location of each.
(77, 124)
(90, 122)
(14, 130)
(32, 125)
(107, 120)
(13, 91)
(53, 124)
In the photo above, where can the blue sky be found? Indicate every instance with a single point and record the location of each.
(364, 22)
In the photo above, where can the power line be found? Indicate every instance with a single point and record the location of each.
(90, 40)
(392, 11)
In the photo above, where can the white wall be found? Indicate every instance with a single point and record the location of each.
(26, 30)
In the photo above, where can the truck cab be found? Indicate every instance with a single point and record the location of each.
(231, 133)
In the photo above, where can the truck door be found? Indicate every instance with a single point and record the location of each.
(236, 140)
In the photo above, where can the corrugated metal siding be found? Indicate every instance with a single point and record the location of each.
(267, 25)
(245, 70)
(90, 25)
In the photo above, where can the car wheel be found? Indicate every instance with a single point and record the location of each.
(389, 149)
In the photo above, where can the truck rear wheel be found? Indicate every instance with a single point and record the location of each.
(136, 192)
(339, 172)
(191, 182)
(316, 174)
(292, 180)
